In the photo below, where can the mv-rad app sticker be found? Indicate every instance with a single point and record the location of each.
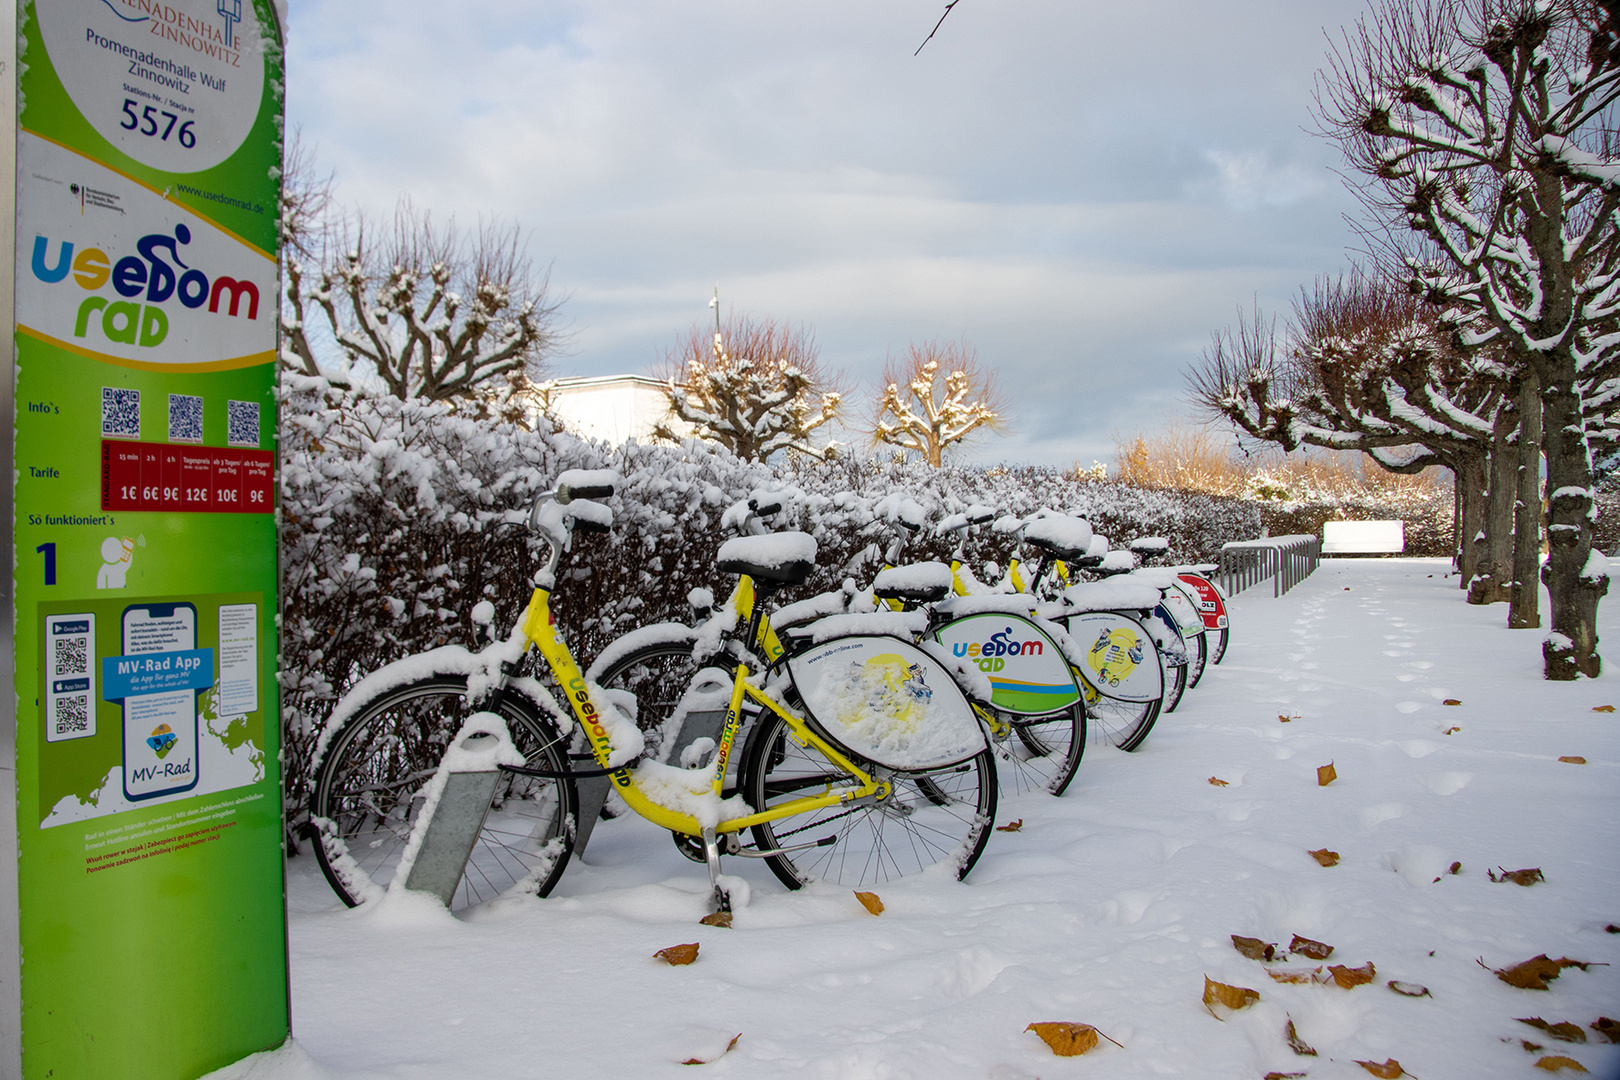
(158, 678)
(175, 84)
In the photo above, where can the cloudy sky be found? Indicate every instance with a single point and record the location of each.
(1081, 190)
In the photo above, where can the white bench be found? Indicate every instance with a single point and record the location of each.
(1363, 537)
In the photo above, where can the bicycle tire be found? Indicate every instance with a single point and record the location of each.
(1176, 685)
(931, 817)
(1042, 752)
(362, 800)
(1197, 658)
(657, 675)
(1121, 724)
(1220, 645)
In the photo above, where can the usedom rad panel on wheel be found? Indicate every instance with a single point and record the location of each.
(148, 811)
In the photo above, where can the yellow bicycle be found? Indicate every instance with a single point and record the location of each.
(852, 796)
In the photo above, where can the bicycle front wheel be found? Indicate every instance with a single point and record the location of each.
(1041, 753)
(1197, 658)
(368, 789)
(1220, 645)
(1175, 685)
(930, 817)
(1122, 724)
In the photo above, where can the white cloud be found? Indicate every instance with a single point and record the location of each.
(1083, 190)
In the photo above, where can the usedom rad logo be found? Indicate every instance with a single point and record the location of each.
(149, 283)
(162, 740)
(988, 654)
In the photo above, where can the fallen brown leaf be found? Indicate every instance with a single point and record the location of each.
(1534, 1048)
(1326, 774)
(1218, 782)
(1283, 1076)
(1553, 1063)
(1295, 1043)
(1253, 947)
(1525, 877)
(1232, 997)
(1607, 1028)
(1067, 1039)
(1295, 975)
(1350, 978)
(723, 1053)
(1571, 759)
(1532, 974)
(1451, 731)
(1408, 989)
(677, 955)
(870, 901)
(1456, 868)
(717, 918)
(1011, 826)
(1325, 857)
(1603, 708)
(1316, 950)
(1389, 1070)
(1563, 1031)
(1286, 719)
(1451, 701)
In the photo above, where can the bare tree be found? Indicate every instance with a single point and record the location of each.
(435, 312)
(756, 387)
(306, 205)
(921, 411)
(1486, 127)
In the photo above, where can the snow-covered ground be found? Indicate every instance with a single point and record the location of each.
(1109, 907)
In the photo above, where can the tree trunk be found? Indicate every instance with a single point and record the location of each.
(1524, 611)
(1492, 583)
(1470, 475)
(1571, 648)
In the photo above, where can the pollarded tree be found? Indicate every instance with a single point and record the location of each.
(922, 411)
(756, 387)
(1365, 367)
(435, 312)
(1487, 127)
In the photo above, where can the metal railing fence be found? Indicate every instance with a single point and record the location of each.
(1286, 560)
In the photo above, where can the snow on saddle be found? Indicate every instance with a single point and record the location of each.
(781, 558)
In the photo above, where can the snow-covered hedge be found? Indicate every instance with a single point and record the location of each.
(391, 513)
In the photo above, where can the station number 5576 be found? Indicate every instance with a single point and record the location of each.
(150, 121)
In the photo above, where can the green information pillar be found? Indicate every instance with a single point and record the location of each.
(150, 912)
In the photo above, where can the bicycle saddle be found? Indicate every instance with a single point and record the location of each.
(782, 558)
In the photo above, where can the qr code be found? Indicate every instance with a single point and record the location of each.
(72, 713)
(120, 413)
(185, 418)
(71, 658)
(242, 423)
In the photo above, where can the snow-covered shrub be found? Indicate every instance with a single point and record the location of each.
(393, 518)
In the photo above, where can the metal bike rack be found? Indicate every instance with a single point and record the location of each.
(1285, 560)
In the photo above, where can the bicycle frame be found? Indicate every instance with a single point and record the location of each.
(538, 627)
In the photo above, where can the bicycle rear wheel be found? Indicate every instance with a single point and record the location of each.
(1219, 651)
(368, 784)
(930, 817)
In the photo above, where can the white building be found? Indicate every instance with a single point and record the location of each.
(613, 408)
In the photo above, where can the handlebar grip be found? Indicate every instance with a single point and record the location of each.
(591, 491)
(583, 525)
(765, 509)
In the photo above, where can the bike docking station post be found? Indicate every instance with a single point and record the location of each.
(458, 801)
(143, 916)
